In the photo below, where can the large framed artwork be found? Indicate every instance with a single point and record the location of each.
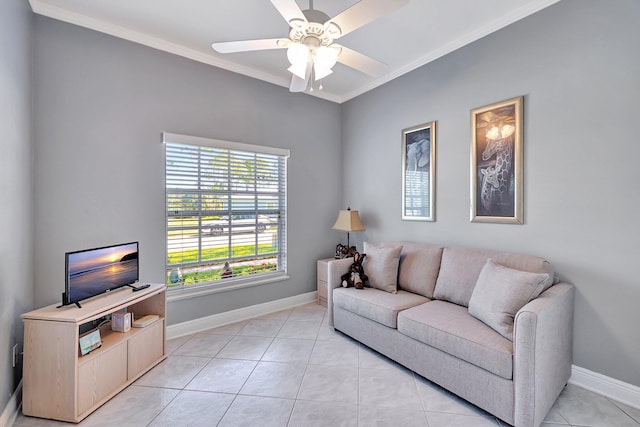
(496, 162)
(419, 172)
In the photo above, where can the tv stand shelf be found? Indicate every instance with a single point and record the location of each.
(60, 383)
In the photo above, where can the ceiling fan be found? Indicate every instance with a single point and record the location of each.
(310, 47)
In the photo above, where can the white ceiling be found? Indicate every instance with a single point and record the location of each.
(413, 35)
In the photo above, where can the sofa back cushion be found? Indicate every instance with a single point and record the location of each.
(461, 267)
(419, 266)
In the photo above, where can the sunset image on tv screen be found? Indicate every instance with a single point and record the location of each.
(98, 270)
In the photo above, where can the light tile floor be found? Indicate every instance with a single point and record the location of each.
(290, 369)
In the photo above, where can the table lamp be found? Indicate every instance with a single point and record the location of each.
(348, 221)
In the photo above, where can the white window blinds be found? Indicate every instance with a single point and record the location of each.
(225, 211)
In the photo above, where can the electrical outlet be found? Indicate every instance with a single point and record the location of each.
(15, 355)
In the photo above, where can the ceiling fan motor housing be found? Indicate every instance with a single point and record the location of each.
(314, 32)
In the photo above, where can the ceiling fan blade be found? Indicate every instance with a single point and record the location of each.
(249, 45)
(363, 12)
(360, 62)
(289, 10)
(298, 84)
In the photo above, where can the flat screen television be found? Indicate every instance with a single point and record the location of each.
(91, 272)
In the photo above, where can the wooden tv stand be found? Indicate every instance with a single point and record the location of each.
(61, 384)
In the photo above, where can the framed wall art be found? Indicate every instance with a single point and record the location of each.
(496, 162)
(419, 172)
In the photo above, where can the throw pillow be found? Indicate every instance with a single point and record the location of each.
(500, 292)
(381, 266)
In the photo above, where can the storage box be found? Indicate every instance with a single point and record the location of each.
(121, 322)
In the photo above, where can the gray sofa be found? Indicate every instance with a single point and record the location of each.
(446, 320)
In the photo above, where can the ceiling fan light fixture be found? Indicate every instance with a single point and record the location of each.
(298, 56)
(326, 56)
(324, 59)
(321, 73)
(299, 70)
(297, 53)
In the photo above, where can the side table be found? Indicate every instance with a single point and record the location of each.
(323, 267)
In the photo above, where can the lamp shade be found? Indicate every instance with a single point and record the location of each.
(348, 221)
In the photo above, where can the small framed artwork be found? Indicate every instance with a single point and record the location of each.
(419, 172)
(496, 162)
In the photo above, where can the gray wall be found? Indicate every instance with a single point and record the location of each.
(101, 104)
(16, 185)
(577, 65)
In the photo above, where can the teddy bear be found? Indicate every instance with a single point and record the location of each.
(355, 276)
(343, 251)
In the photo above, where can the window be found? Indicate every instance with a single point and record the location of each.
(225, 211)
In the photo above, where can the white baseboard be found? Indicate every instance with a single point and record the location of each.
(11, 411)
(221, 319)
(606, 386)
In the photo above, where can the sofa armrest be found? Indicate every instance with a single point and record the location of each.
(543, 352)
(335, 269)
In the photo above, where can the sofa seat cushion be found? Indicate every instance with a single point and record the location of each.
(376, 305)
(450, 328)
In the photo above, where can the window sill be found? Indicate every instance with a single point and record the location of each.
(198, 291)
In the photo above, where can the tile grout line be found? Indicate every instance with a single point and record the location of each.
(248, 376)
(306, 367)
(616, 404)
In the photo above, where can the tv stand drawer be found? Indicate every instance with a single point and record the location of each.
(101, 375)
(145, 348)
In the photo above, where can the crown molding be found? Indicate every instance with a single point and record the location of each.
(145, 39)
(454, 45)
(157, 43)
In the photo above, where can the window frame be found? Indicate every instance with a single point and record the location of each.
(194, 290)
